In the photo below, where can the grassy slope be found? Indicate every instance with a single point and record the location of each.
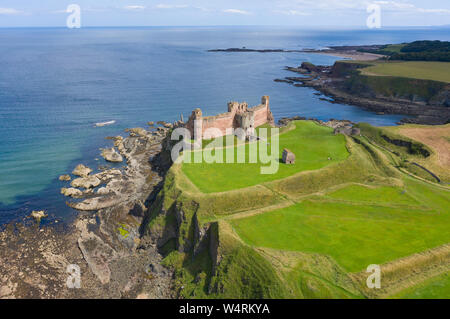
(436, 71)
(394, 47)
(438, 137)
(434, 288)
(380, 195)
(308, 248)
(406, 155)
(312, 144)
(354, 235)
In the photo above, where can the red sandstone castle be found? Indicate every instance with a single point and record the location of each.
(239, 115)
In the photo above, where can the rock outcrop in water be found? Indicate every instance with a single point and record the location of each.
(138, 177)
(71, 192)
(38, 215)
(86, 182)
(81, 170)
(111, 155)
(65, 178)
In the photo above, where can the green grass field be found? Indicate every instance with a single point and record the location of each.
(355, 235)
(379, 195)
(434, 288)
(311, 230)
(394, 48)
(436, 71)
(311, 143)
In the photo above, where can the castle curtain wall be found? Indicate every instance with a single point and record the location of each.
(261, 114)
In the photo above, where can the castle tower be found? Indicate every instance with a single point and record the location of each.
(265, 101)
(239, 115)
(197, 125)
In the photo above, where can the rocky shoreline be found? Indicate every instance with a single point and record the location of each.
(106, 241)
(324, 80)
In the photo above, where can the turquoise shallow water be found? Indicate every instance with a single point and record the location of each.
(56, 83)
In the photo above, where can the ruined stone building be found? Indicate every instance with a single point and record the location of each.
(347, 130)
(288, 157)
(239, 115)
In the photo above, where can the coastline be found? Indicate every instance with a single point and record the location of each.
(329, 81)
(106, 240)
(116, 258)
(352, 55)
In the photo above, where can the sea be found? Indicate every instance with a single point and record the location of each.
(56, 83)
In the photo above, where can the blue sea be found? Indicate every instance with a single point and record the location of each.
(55, 83)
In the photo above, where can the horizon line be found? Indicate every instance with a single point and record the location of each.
(229, 25)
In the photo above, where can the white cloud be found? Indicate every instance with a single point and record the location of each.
(134, 7)
(171, 6)
(290, 7)
(293, 12)
(10, 11)
(445, 11)
(236, 11)
(406, 7)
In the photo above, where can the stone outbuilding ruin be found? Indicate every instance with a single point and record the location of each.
(288, 157)
(346, 130)
(239, 115)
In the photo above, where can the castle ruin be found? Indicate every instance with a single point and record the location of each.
(239, 115)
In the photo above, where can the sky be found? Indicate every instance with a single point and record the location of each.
(352, 13)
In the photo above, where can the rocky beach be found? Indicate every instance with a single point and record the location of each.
(106, 240)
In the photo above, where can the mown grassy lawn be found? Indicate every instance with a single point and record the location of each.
(311, 143)
(380, 195)
(434, 288)
(355, 235)
(424, 70)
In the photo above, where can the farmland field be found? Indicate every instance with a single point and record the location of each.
(355, 235)
(436, 71)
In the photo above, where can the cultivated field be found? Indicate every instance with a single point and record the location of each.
(437, 71)
(437, 138)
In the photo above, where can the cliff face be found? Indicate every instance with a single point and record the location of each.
(397, 88)
(426, 101)
(207, 260)
(343, 69)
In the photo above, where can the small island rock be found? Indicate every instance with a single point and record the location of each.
(86, 182)
(38, 215)
(111, 155)
(65, 178)
(81, 170)
(71, 192)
